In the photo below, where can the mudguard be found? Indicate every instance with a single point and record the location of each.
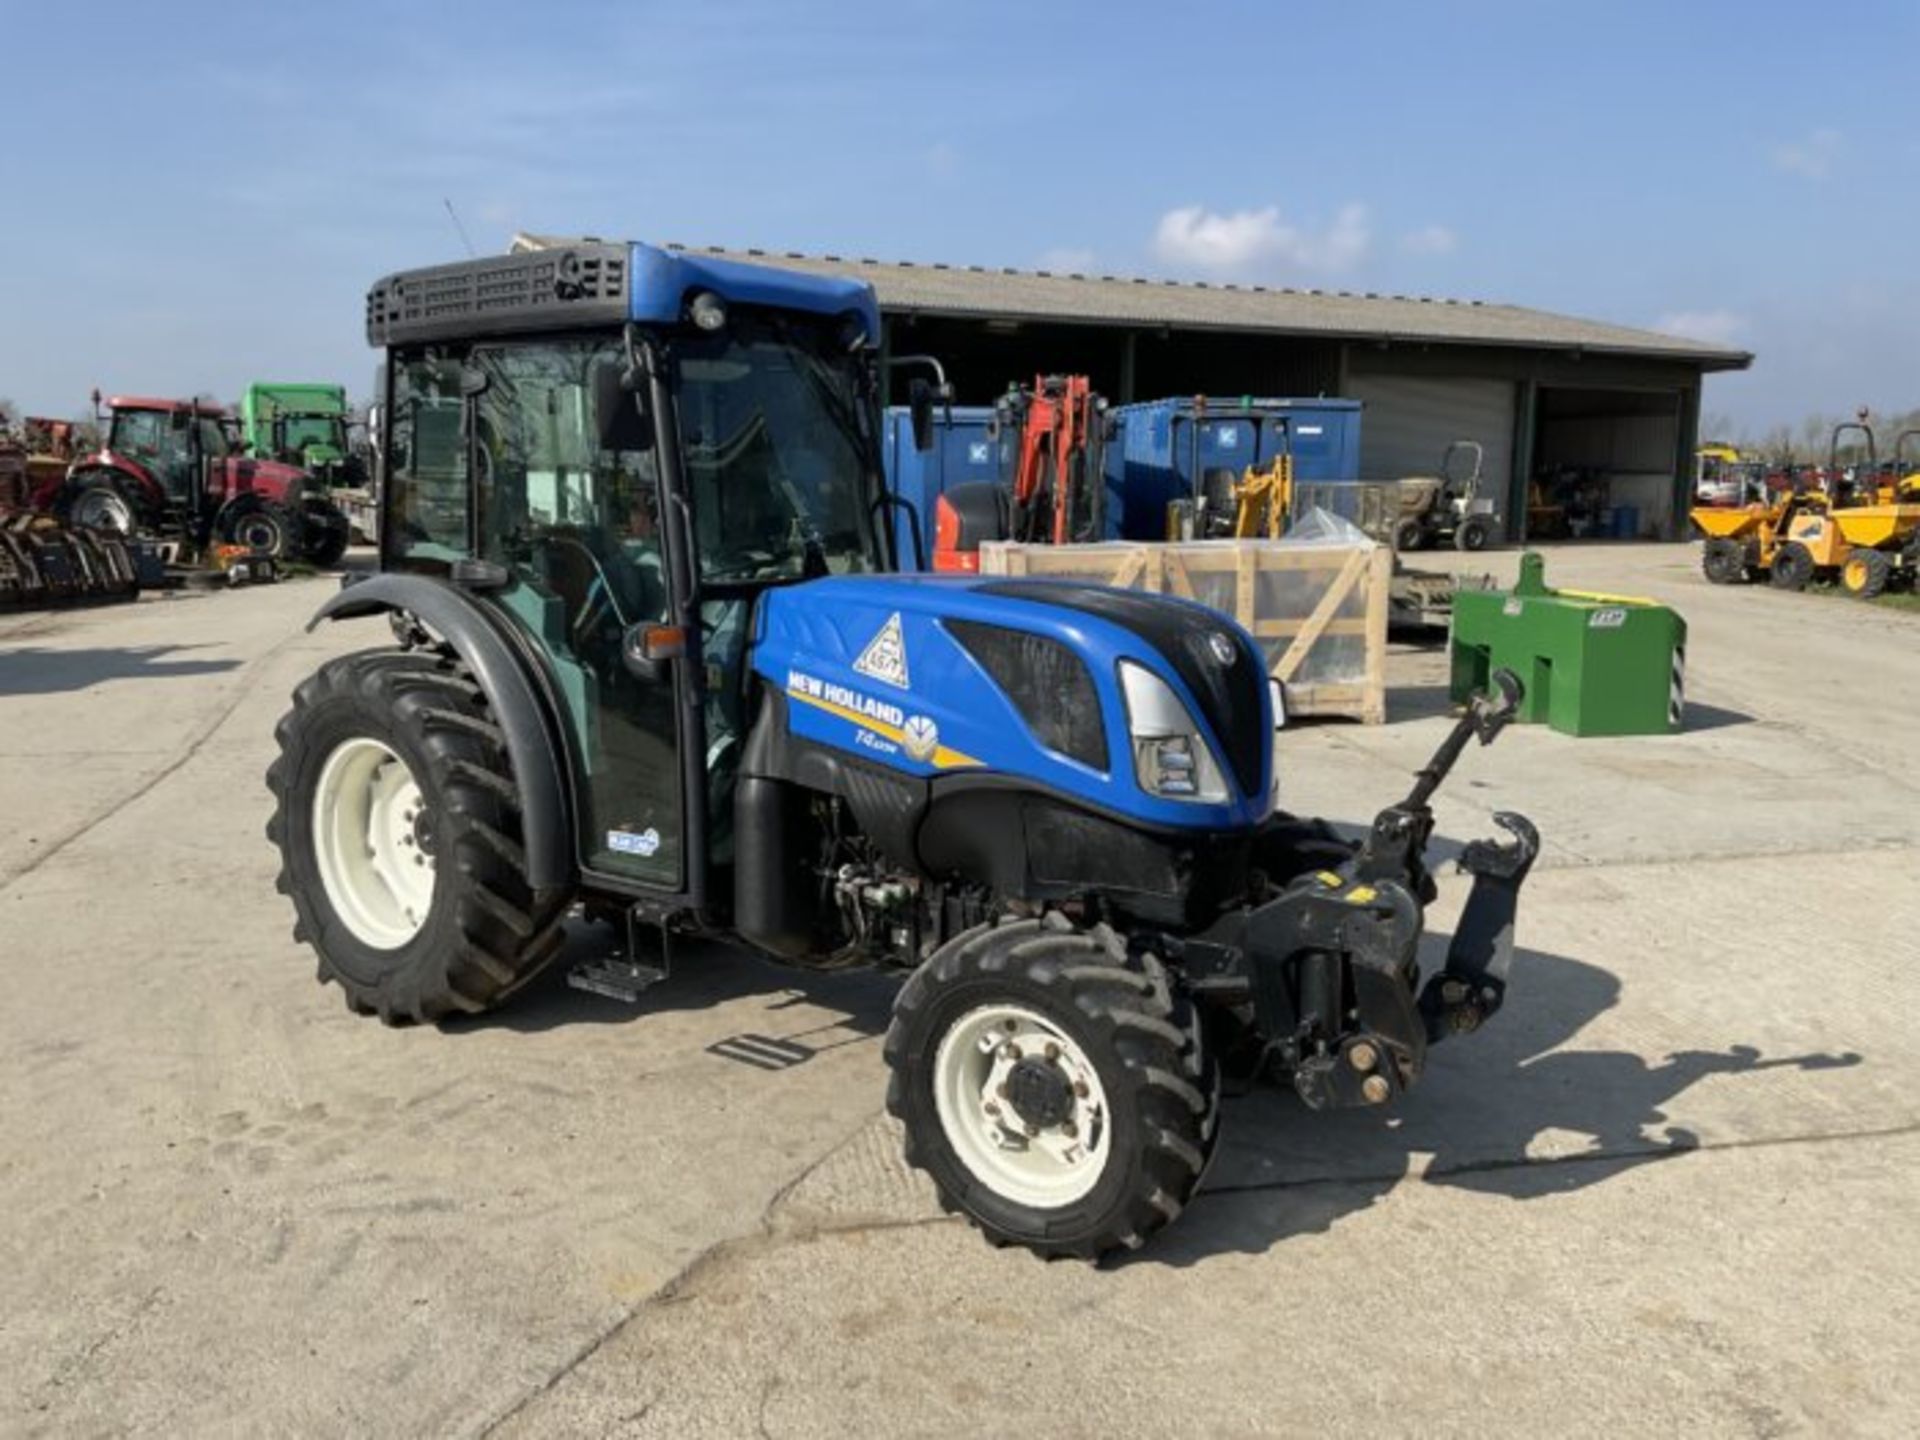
(533, 741)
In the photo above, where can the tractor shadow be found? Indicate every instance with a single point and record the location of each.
(34, 670)
(704, 975)
(1486, 1099)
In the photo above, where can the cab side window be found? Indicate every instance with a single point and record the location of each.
(426, 503)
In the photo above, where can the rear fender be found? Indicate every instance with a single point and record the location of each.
(533, 740)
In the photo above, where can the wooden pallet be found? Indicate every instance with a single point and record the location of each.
(1357, 692)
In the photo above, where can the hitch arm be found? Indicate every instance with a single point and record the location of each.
(1473, 983)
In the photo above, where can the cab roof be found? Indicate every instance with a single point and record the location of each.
(590, 283)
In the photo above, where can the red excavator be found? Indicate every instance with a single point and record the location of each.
(1056, 491)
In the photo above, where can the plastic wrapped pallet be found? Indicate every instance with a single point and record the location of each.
(1316, 601)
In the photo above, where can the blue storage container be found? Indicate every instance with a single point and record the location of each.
(1161, 449)
(965, 448)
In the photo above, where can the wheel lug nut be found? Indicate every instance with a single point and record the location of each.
(1033, 1130)
(1080, 1089)
(992, 1108)
(1001, 1091)
(1052, 1051)
(1375, 1089)
(1010, 1051)
(1070, 1130)
(1363, 1056)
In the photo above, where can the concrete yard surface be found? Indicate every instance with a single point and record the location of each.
(1671, 1188)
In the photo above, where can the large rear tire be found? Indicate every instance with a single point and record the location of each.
(1792, 566)
(398, 823)
(100, 501)
(1057, 1089)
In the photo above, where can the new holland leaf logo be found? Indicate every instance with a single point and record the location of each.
(885, 657)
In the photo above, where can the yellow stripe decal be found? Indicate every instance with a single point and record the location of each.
(943, 758)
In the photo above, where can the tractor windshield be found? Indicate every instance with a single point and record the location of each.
(777, 426)
(313, 431)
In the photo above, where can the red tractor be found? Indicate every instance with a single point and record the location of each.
(176, 469)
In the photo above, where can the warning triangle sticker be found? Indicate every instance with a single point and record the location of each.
(885, 657)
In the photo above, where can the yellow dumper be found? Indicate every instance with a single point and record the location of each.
(1867, 539)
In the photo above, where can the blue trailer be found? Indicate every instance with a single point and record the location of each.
(966, 446)
(1163, 450)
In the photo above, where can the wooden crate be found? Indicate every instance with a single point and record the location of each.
(1354, 577)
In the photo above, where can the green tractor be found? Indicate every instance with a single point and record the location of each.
(306, 425)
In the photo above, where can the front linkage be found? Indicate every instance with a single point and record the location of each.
(1330, 964)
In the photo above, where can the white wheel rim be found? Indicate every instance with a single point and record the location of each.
(1044, 1167)
(102, 510)
(373, 843)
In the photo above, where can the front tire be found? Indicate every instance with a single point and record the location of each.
(1409, 535)
(264, 529)
(325, 534)
(398, 823)
(1866, 573)
(1724, 561)
(1057, 1089)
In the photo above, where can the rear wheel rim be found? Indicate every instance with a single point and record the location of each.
(1045, 1165)
(373, 843)
(104, 510)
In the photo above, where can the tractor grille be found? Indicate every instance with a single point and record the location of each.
(584, 284)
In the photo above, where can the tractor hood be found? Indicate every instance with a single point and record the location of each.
(976, 676)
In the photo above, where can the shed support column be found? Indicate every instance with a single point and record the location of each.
(1687, 440)
(1127, 340)
(1526, 429)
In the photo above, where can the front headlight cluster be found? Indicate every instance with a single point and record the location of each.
(1171, 757)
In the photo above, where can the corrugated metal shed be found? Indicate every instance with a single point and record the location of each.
(977, 292)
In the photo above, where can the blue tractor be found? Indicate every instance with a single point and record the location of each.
(654, 660)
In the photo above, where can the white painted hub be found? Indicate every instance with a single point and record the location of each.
(367, 824)
(1048, 1169)
(103, 509)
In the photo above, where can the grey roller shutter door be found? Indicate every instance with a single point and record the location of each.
(1408, 421)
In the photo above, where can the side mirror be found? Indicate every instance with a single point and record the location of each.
(920, 400)
(620, 418)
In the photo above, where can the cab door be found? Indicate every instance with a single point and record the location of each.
(576, 526)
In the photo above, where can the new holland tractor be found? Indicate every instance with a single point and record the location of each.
(653, 660)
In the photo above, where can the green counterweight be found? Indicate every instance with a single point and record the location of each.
(1592, 664)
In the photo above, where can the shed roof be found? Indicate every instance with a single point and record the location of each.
(988, 293)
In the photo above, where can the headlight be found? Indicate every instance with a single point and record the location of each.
(1171, 756)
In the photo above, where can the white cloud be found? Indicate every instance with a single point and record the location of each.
(1430, 240)
(1716, 327)
(1068, 260)
(1194, 236)
(1811, 158)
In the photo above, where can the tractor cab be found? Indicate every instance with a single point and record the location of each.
(171, 441)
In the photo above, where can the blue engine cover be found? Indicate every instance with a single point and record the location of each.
(868, 667)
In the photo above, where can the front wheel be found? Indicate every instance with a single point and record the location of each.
(1057, 1089)
(1866, 573)
(1409, 535)
(1724, 561)
(398, 822)
(263, 529)
(325, 534)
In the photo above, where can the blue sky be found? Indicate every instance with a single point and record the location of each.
(195, 198)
